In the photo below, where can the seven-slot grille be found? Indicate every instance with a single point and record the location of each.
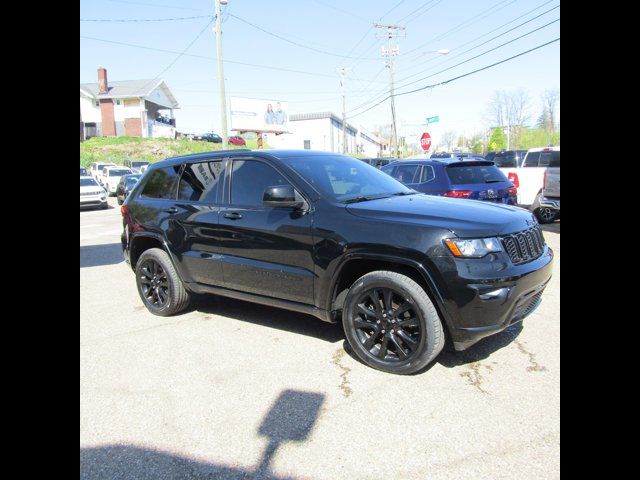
(524, 246)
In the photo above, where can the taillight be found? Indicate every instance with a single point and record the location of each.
(123, 211)
(512, 191)
(458, 193)
(513, 178)
(544, 180)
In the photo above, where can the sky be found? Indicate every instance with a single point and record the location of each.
(316, 37)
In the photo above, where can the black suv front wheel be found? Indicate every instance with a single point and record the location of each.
(391, 323)
(159, 286)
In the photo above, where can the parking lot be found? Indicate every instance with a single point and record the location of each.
(236, 390)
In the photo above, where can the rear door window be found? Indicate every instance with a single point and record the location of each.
(467, 175)
(532, 159)
(200, 182)
(549, 159)
(161, 183)
(406, 173)
(427, 174)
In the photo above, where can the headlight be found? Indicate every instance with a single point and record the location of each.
(473, 248)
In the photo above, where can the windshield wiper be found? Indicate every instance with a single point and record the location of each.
(398, 194)
(360, 199)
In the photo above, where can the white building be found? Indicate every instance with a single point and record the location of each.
(136, 108)
(323, 131)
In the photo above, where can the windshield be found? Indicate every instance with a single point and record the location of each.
(346, 179)
(132, 180)
(139, 164)
(466, 175)
(118, 173)
(505, 160)
(88, 182)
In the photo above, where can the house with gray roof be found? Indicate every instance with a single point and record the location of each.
(135, 108)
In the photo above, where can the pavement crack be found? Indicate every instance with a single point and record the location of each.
(474, 377)
(534, 365)
(337, 361)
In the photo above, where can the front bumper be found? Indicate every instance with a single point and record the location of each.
(87, 201)
(485, 296)
(548, 202)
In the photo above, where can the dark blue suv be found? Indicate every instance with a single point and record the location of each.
(473, 179)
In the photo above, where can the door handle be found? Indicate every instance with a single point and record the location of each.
(170, 210)
(232, 216)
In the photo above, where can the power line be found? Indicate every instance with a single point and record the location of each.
(325, 52)
(392, 9)
(136, 20)
(192, 55)
(410, 18)
(453, 66)
(459, 76)
(340, 10)
(473, 19)
(180, 55)
(479, 45)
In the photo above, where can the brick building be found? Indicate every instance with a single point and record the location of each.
(136, 108)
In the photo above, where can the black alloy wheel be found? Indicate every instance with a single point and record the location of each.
(154, 284)
(387, 325)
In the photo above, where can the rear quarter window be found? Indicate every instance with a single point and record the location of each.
(468, 175)
(161, 183)
(549, 159)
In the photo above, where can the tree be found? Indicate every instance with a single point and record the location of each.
(449, 138)
(497, 141)
(509, 109)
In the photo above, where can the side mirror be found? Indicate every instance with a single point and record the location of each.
(282, 196)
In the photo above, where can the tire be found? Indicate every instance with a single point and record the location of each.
(544, 215)
(171, 288)
(412, 339)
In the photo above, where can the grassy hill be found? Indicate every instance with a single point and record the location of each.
(119, 149)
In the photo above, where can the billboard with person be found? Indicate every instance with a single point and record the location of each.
(257, 115)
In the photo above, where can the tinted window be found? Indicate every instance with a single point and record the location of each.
(88, 182)
(249, 181)
(532, 159)
(199, 182)
(406, 173)
(549, 159)
(161, 183)
(118, 173)
(505, 160)
(131, 180)
(465, 175)
(341, 178)
(427, 173)
(138, 164)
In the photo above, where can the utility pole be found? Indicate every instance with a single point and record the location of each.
(391, 52)
(342, 71)
(223, 97)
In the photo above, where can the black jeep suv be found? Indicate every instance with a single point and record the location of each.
(331, 236)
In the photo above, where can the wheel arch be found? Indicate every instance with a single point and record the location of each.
(356, 265)
(144, 241)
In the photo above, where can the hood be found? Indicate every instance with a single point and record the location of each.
(465, 218)
(92, 188)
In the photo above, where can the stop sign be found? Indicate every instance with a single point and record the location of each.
(425, 141)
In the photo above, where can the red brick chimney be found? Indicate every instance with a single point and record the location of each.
(103, 85)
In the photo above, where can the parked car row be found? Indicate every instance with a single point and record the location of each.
(215, 138)
(111, 179)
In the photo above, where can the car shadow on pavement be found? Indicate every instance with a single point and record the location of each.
(290, 419)
(553, 227)
(450, 358)
(271, 317)
(100, 255)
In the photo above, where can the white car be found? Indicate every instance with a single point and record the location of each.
(111, 176)
(95, 170)
(91, 194)
(529, 176)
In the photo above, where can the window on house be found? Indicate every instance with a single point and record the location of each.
(118, 102)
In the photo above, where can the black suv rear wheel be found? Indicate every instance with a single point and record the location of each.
(391, 323)
(159, 286)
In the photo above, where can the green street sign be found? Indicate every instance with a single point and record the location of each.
(433, 119)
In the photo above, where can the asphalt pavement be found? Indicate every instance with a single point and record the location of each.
(236, 390)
